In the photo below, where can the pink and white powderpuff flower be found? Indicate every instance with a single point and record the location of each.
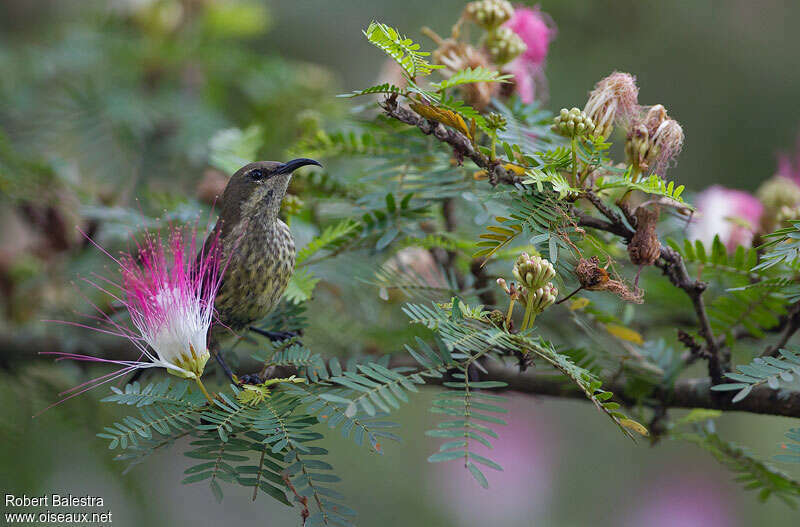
(169, 294)
(537, 30)
(732, 214)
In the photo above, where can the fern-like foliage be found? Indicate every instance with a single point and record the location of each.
(386, 88)
(403, 50)
(533, 213)
(467, 335)
(301, 286)
(470, 76)
(762, 370)
(469, 419)
(756, 309)
(333, 238)
(781, 247)
(740, 263)
(650, 185)
(167, 391)
(436, 282)
(154, 420)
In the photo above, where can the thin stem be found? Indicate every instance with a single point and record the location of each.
(526, 319)
(203, 389)
(510, 312)
(574, 161)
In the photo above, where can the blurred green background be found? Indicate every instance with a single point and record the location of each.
(125, 96)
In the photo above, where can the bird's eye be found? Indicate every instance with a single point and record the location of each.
(257, 174)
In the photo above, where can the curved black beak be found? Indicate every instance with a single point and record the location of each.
(294, 164)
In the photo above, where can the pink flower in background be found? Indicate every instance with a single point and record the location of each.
(537, 30)
(732, 214)
(682, 501)
(525, 448)
(789, 164)
(169, 295)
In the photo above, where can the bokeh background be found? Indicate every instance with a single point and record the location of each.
(102, 102)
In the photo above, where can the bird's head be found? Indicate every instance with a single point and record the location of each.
(257, 189)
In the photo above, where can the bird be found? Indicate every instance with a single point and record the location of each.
(256, 249)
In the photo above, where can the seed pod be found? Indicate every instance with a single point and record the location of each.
(644, 248)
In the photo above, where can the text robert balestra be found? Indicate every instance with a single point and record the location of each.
(53, 500)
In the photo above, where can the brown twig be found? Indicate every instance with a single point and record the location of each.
(461, 145)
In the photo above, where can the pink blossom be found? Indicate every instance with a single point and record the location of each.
(732, 214)
(537, 31)
(789, 164)
(169, 295)
(691, 500)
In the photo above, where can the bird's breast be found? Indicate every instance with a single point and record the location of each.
(260, 264)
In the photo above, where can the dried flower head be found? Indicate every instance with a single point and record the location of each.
(456, 56)
(614, 100)
(592, 277)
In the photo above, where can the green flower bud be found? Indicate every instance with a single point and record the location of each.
(781, 198)
(498, 318)
(489, 14)
(504, 45)
(495, 121)
(532, 272)
(572, 123)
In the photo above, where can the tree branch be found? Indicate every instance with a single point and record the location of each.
(671, 263)
(686, 393)
(460, 143)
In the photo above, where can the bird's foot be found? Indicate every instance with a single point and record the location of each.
(276, 336)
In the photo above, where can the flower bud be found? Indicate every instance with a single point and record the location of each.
(572, 123)
(489, 14)
(532, 271)
(654, 140)
(613, 100)
(777, 193)
(496, 121)
(504, 45)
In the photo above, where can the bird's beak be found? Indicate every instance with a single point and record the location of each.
(294, 164)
